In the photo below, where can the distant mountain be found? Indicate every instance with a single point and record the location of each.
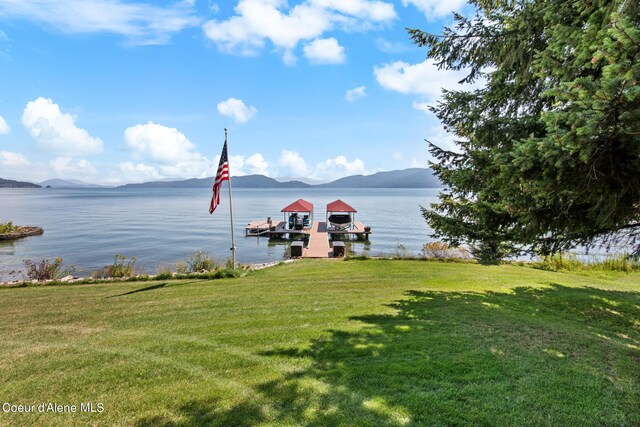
(68, 183)
(9, 183)
(407, 178)
(247, 181)
(309, 181)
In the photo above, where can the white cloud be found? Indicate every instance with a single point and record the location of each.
(294, 163)
(355, 93)
(173, 153)
(443, 139)
(159, 143)
(397, 156)
(388, 46)
(142, 23)
(259, 21)
(4, 127)
(423, 78)
(324, 51)
(422, 106)
(415, 163)
(236, 109)
(338, 167)
(57, 131)
(242, 165)
(200, 167)
(12, 160)
(134, 172)
(436, 9)
(66, 167)
(363, 9)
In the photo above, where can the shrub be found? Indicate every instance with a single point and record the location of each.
(182, 267)
(443, 251)
(570, 262)
(120, 268)
(401, 251)
(46, 269)
(621, 262)
(163, 276)
(7, 227)
(200, 261)
(559, 261)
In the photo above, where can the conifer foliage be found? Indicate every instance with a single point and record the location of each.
(549, 147)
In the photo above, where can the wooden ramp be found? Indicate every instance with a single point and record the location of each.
(318, 246)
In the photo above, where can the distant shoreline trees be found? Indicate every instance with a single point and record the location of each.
(549, 148)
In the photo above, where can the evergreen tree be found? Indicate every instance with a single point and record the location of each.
(550, 146)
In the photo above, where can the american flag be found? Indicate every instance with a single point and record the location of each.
(221, 175)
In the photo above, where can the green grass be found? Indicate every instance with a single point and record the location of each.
(374, 342)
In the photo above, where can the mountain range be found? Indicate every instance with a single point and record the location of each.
(10, 183)
(407, 178)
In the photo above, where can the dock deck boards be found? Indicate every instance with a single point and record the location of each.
(358, 228)
(318, 246)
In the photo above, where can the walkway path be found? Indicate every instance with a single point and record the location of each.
(318, 246)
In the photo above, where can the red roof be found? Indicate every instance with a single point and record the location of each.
(339, 206)
(299, 205)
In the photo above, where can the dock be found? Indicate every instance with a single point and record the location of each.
(261, 228)
(318, 246)
(300, 226)
(357, 230)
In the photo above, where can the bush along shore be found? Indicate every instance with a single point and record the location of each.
(198, 265)
(9, 231)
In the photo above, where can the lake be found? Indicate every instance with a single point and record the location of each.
(87, 227)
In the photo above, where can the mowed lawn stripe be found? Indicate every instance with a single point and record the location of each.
(317, 342)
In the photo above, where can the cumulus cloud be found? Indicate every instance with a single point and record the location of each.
(294, 163)
(66, 167)
(10, 159)
(324, 51)
(397, 156)
(134, 172)
(338, 167)
(159, 143)
(4, 127)
(57, 131)
(436, 9)
(242, 165)
(259, 21)
(140, 22)
(423, 78)
(237, 110)
(355, 93)
(174, 154)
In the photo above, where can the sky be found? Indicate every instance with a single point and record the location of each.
(116, 91)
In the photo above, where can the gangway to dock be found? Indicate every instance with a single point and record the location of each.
(318, 246)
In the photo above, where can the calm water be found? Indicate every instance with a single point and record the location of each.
(87, 228)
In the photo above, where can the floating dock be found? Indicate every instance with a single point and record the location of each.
(317, 234)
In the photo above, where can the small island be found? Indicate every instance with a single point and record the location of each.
(9, 231)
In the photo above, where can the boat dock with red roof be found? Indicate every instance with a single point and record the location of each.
(298, 222)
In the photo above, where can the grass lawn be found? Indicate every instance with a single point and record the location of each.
(321, 342)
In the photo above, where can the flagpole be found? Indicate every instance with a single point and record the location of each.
(233, 241)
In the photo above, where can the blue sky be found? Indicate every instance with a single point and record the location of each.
(115, 91)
